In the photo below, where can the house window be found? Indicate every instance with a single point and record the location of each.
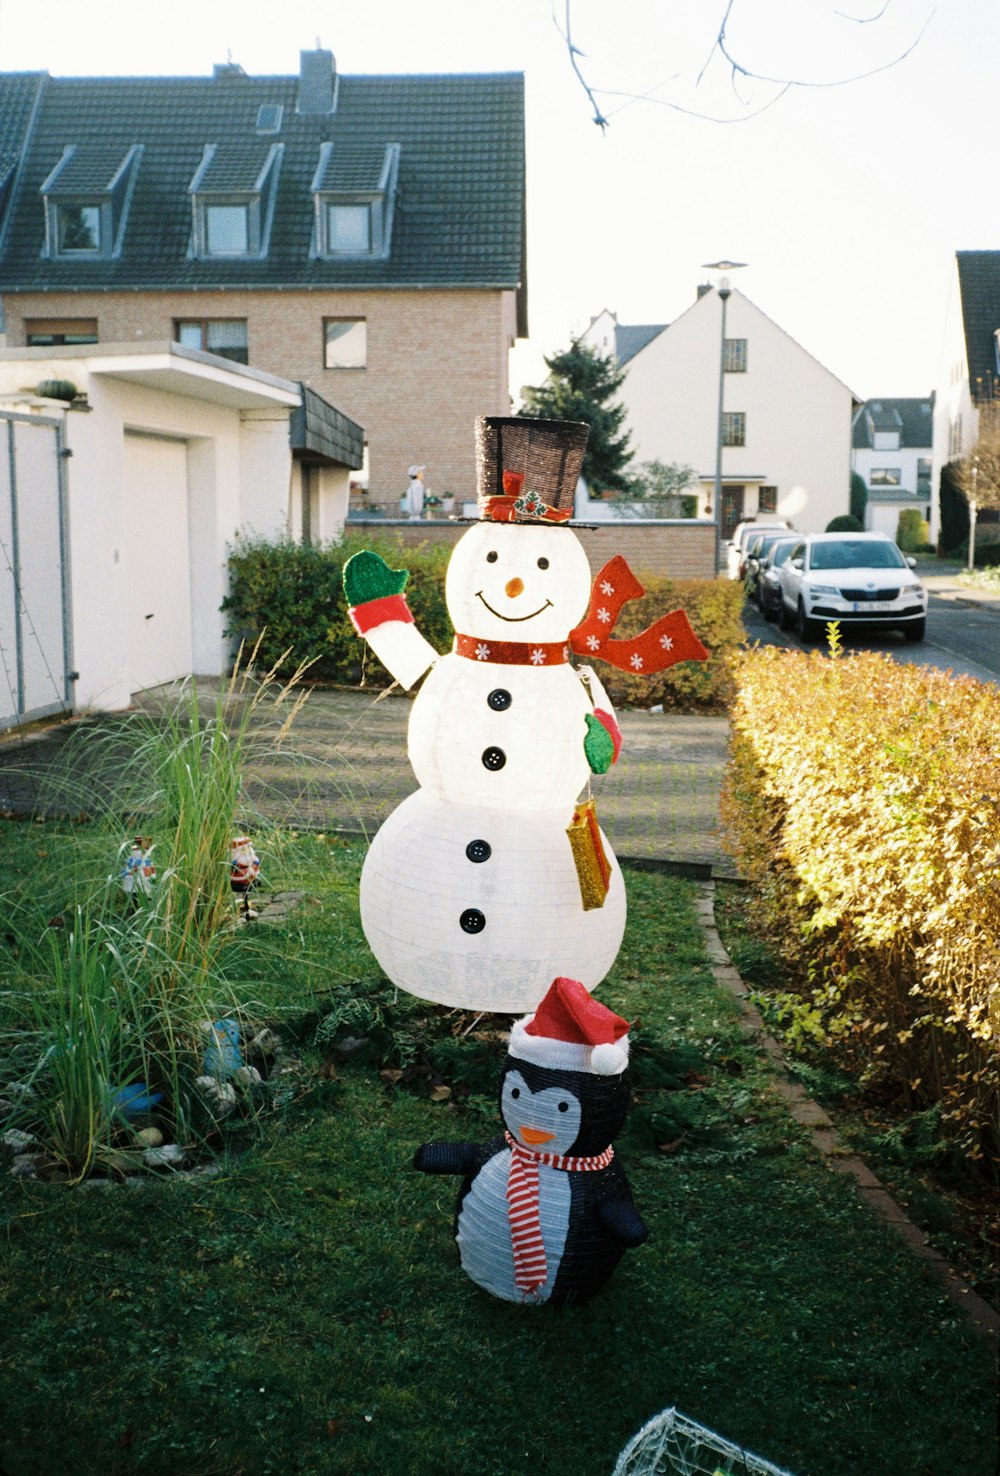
(226, 337)
(924, 469)
(349, 229)
(735, 356)
(885, 476)
(78, 229)
(734, 428)
(345, 343)
(56, 332)
(227, 230)
(767, 499)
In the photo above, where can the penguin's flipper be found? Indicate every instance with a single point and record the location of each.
(447, 1158)
(623, 1221)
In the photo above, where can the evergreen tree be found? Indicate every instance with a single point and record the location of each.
(581, 386)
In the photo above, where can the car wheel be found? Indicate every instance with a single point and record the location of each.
(915, 630)
(781, 614)
(805, 629)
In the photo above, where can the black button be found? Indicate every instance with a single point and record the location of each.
(472, 920)
(499, 699)
(479, 850)
(494, 758)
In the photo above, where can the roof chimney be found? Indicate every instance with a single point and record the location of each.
(317, 81)
(704, 287)
(228, 68)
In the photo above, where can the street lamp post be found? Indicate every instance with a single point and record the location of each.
(723, 290)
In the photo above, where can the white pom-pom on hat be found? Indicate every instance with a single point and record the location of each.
(608, 1060)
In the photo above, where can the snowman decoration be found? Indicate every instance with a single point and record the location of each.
(491, 879)
(545, 1212)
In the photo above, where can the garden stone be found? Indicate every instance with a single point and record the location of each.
(6, 1108)
(149, 1137)
(218, 1096)
(171, 1155)
(265, 1043)
(25, 1166)
(18, 1140)
(348, 1046)
(247, 1077)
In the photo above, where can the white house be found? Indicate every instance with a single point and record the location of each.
(786, 424)
(118, 506)
(893, 452)
(971, 364)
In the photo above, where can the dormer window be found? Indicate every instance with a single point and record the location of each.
(232, 200)
(354, 191)
(86, 199)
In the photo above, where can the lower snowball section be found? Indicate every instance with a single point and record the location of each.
(480, 909)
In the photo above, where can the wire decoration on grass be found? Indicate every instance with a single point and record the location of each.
(670, 1444)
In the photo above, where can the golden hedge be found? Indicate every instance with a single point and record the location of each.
(863, 800)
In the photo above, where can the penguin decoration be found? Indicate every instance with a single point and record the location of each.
(545, 1212)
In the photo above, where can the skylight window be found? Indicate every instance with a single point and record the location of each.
(269, 118)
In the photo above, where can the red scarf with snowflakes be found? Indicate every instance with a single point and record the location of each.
(667, 641)
(530, 1269)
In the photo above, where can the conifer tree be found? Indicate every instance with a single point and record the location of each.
(581, 386)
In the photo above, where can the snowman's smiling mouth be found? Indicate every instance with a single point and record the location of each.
(515, 619)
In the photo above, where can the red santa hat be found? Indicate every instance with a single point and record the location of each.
(572, 1031)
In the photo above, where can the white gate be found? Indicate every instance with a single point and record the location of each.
(35, 655)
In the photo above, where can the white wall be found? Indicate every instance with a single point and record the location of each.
(798, 414)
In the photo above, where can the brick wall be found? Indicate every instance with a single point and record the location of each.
(436, 360)
(684, 549)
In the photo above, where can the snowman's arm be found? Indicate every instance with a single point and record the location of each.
(622, 1220)
(447, 1158)
(603, 741)
(379, 613)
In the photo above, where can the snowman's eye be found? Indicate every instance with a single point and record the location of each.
(563, 1106)
(492, 556)
(543, 563)
(515, 1092)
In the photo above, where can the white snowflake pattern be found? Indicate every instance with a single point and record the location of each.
(603, 615)
(607, 588)
(593, 643)
(636, 662)
(482, 652)
(667, 643)
(537, 656)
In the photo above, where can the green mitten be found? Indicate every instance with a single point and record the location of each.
(598, 745)
(367, 576)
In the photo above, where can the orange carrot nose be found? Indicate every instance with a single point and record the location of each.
(534, 1137)
(513, 588)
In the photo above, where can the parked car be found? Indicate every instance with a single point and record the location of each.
(742, 533)
(853, 578)
(758, 548)
(768, 590)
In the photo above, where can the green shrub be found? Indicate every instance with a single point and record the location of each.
(861, 802)
(912, 530)
(290, 598)
(954, 533)
(859, 497)
(845, 523)
(714, 608)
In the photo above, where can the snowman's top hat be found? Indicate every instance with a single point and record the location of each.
(572, 1031)
(527, 470)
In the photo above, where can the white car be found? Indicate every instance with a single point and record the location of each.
(736, 549)
(853, 578)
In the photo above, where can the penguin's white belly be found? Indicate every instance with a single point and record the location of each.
(509, 736)
(481, 909)
(484, 1242)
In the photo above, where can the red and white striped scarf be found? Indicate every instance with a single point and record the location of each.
(530, 1269)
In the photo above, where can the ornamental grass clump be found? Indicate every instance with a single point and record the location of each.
(863, 802)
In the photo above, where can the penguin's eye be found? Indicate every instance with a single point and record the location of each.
(492, 556)
(563, 1106)
(543, 563)
(515, 1092)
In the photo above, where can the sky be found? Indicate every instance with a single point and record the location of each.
(846, 194)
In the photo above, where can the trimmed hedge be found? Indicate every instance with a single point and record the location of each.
(861, 801)
(290, 596)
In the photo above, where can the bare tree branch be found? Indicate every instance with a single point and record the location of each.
(798, 82)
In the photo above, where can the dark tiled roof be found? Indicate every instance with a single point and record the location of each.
(913, 418)
(235, 165)
(18, 95)
(979, 282)
(630, 339)
(459, 217)
(325, 434)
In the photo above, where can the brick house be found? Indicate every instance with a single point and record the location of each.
(363, 236)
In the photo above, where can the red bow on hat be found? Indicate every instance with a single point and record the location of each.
(669, 640)
(517, 503)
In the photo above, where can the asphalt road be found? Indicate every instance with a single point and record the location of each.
(961, 638)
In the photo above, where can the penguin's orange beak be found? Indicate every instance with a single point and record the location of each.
(534, 1137)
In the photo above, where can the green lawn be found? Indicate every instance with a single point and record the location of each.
(304, 1311)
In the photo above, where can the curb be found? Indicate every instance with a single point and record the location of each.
(810, 1115)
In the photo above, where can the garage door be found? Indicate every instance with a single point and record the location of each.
(158, 561)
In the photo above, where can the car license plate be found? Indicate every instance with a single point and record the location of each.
(860, 605)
